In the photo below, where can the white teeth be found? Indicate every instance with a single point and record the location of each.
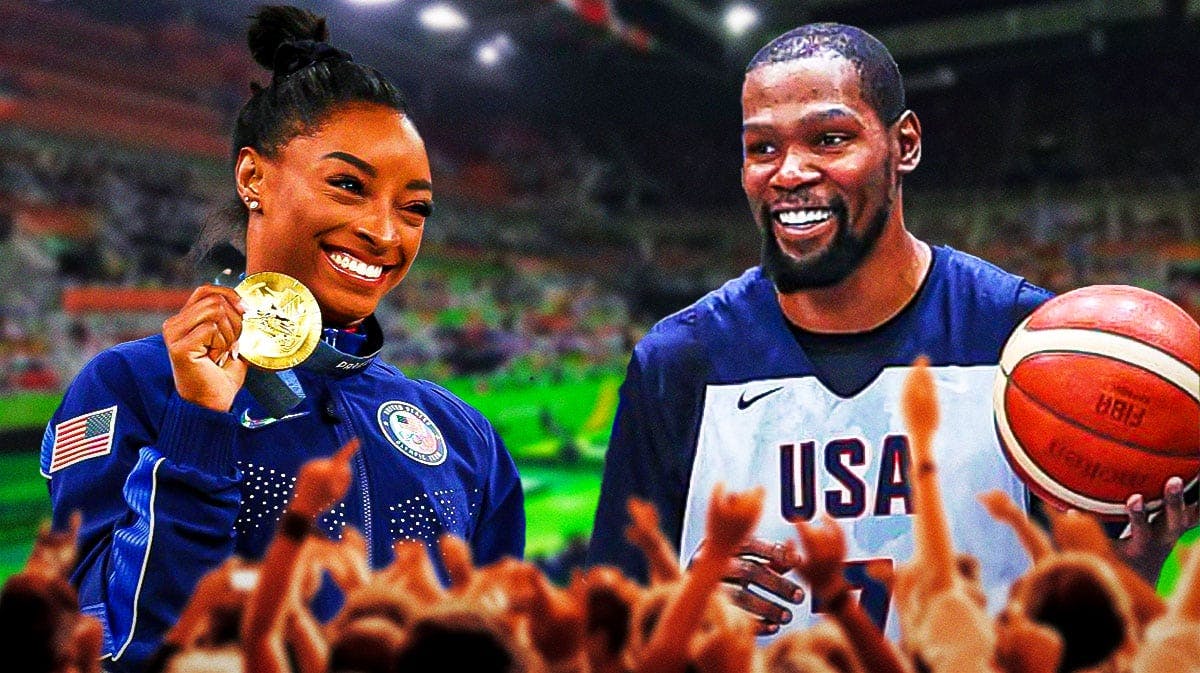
(344, 261)
(805, 216)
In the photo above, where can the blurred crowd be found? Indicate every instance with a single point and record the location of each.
(502, 311)
(109, 221)
(130, 224)
(511, 320)
(1078, 609)
(71, 217)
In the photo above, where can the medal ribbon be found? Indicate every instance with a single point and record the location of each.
(280, 392)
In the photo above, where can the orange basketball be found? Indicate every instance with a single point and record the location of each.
(1098, 397)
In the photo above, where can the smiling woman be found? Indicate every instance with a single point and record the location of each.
(342, 210)
(180, 455)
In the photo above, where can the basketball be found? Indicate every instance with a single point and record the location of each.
(1098, 397)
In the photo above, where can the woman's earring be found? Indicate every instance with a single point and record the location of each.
(252, 204)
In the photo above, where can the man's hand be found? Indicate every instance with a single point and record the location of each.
(824, 556)
(1026, 646)
(411, 572)
(731, 517)
(761, 564)
(345, 560)
(754, 562)
(558, 622)
(1150, 542)
(457, 559)
(54, 552)
(643, 531)
(323, 481)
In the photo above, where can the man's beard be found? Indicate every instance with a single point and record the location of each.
(831, 266)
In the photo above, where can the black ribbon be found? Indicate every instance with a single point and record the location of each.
(293, 56)
(278, 392)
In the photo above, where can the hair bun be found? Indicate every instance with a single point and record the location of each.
(292, 56)
(274, 25)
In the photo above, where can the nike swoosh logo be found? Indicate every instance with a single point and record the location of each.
(744, 403)
(256, 423)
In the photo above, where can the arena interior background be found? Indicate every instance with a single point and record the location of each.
(586, 159)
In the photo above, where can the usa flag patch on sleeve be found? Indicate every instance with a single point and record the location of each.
(83, 437)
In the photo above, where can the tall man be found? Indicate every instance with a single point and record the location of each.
(789, 376)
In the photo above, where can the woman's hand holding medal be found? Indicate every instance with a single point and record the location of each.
(270, 320)
(202, 342)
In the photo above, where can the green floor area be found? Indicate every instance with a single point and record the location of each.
(559, 506)
(24, 505)
(1171, 569)
(27, 410)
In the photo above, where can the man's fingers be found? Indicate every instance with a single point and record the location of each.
(1139, 520)
(778, 555)
(353, 540)
(884, 573)
(1000, 505)
(807, 533)
(642, 511)
(744, 571)
(1173, 504)
(342, 457)
(769, 615)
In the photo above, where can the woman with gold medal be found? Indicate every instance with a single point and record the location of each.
(180, 453)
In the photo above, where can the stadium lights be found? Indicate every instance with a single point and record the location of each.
(488, 54)
(442, 18)
(739, 19)
(494, 50)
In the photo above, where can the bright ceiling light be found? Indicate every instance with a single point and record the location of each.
(488, 54)
(442, 18)
(494, 50)
(739, 19)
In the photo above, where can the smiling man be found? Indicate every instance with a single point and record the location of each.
(789, 376)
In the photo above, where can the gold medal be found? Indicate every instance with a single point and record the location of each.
(282, 322)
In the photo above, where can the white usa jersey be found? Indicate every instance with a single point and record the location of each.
(817, 453)
(726, 391)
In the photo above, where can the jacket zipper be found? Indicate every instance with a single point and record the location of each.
(361, 464)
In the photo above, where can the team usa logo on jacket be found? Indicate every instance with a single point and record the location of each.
(411, 431)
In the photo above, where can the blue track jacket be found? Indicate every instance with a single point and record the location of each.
(169, 490)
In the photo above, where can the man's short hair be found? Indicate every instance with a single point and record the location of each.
(882, 87)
